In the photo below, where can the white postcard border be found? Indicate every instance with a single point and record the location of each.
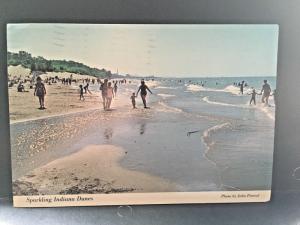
(142, 198)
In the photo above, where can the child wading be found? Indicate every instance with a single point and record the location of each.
(40, 91)
(253, 96)
(133, 96)
(81, 97)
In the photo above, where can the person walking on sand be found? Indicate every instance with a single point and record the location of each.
(103, 89)
(143, 88)
(253, 96)
(109, 95)
(133, 96)
(265, 91)
(115, 88)
(86, 88)
(40, 91)
(81, 97)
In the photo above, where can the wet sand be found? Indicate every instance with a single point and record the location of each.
(92, 170)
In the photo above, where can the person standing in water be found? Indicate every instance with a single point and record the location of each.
(253, 96)
(115, 88)
(103, 89)
(242, 87)
(40, 91)
(143, 88)
(133, 96)
(265, 91)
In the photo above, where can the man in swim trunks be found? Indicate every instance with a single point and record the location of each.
(143, 88)
(265, 91)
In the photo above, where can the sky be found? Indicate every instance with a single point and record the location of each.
(159, 50)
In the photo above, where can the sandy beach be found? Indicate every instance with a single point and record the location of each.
(76, 147)
(60, 99)
(94, 169)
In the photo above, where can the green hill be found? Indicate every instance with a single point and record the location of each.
(41, 64)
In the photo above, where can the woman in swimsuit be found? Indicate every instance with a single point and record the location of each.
(143, 88)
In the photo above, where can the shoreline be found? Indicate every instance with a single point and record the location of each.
(94, 169)
(52, 116)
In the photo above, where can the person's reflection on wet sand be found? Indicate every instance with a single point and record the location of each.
(142, 128)
(108, 133)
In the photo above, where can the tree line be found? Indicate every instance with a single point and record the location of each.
(39, 63)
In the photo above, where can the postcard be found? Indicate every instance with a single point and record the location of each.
(124, 114)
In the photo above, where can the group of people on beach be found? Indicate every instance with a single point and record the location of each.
(265, 92)
(108, 93)
(109, 90)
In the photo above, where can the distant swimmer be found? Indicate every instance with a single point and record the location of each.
(265, 91)
(40, 91)
(133, 96)
(143, 88)
(253, 96)
(242, 87)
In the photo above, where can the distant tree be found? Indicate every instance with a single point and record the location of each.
(32, 67)
(49, 66)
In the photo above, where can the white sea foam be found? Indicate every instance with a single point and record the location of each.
(194, 88)
(205, 99)
(149, 83)
(233, 89)
(269, 111)
(206, 138)
(163, 87)
(229, 89)
(167, 108)
(164, 96)
(152, 84)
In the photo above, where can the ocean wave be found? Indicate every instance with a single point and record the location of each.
(167, 108)
(152, 84)
(229, 89)
(163, 87)
(206, 136)
(205, 99)
(233, 89)
(269, 111)
(149, 83)
(194, 87)
(164, 96)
